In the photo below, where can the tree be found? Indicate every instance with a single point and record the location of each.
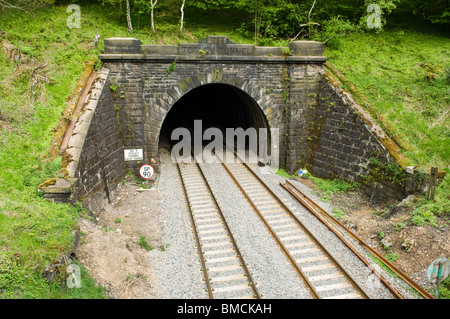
(152, 7)
(434, 11)
(130, 27)
(182, 15)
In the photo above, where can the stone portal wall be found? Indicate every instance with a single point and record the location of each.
(320, 128)
(338, 139)
(101, 164)
(151, 79)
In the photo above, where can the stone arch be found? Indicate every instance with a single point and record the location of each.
(252, 90)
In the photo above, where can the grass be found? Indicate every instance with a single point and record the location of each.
(327, 187)
(34, 232)
(144, 244)
(403, 78)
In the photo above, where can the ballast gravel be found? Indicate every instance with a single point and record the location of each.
(176, 267)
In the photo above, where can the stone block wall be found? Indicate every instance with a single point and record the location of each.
(321, 128)
(150, 91)
(101, 164)
(337, 140)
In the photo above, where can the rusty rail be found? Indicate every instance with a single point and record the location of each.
(209, 287)
(300, 224)
(322, 214)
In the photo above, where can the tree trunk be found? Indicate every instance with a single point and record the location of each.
(130, 27)
(153, 4)
(182, 15)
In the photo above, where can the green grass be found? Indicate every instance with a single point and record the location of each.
(144, 244)
(405, 77)
(326, 186)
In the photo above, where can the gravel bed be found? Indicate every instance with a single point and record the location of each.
(177, 270)
(353, 265)
(274, 275)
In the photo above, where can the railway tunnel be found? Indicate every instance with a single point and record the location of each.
(143, 92)
(219, 106)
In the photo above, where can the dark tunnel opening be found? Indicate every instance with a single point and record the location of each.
(220, 106)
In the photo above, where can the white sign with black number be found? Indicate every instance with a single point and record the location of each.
(146, 171)
(136, 154)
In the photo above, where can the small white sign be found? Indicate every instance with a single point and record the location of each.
(146, 171)
(136, 154)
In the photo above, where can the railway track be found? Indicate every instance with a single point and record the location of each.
(319, 270)
(347, 236)
(225, 272)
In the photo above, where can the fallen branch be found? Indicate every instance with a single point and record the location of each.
(335, 36)
(6, 5)
(307, 24)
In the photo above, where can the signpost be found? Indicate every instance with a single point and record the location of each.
(146, 171)
(438, 271)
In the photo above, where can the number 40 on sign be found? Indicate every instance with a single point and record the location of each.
(146, 171)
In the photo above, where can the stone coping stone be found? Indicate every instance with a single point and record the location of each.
(306, 48)
(212, 45)
(224, 59)
(58, 186)
(122, 45)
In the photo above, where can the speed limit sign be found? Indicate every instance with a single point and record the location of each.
(146, 171)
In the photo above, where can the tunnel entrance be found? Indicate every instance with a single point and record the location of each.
(219, 106)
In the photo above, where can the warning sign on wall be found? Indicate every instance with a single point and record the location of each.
(136, 154)
(146, 171)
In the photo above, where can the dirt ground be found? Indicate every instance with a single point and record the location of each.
(110, 247)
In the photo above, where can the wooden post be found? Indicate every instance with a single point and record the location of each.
(432, 187)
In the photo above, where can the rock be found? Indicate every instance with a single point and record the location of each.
(386, 242)
(408, 244)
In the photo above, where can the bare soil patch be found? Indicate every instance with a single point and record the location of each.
(111, 246)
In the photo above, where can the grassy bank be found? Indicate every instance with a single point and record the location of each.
(403, 78)
(34, 85)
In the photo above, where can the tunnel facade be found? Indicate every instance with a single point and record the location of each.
(150, 89)
(268, 86)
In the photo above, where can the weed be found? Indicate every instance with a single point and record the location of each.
(338, 214)
(284, 174)
(334, 186)
(144, 244)
(113, 88)
(392, 257)
(171, 68)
